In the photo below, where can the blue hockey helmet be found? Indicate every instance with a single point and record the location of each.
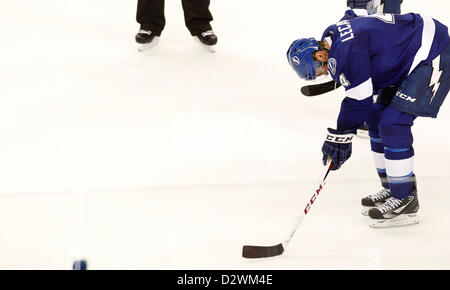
(300, 57)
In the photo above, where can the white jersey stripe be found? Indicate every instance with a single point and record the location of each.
(361, 92)
(428, 32)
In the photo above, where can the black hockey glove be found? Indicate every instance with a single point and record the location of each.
(337, 146)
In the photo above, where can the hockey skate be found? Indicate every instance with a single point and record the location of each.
(207, 40)
(146, 39)
(362, 131)
(374, 200)
(395, 212)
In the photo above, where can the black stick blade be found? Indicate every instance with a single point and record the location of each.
(255, 252)
(319, 89)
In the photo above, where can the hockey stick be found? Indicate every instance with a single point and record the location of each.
(252, 252)
(319, 89)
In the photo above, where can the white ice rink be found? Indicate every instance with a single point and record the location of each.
(183, 156)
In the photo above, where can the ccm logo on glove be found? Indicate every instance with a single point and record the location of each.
(342, 139)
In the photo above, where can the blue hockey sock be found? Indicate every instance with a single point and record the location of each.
(395, 131)
(378, 156)
(402, 187)
(399, 169)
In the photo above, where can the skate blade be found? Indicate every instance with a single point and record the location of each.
(402, 220)
(210, 48)
(149, 45)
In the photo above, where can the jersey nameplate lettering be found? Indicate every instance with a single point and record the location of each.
(345, 30)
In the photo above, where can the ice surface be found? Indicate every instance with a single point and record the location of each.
(185, 156)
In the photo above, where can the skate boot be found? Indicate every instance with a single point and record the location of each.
(374, 200)
(362, 131)
(146, 39)
(207, 40)
(395, 212)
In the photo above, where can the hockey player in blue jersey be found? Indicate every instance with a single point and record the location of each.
(394, 68)
(373, 7)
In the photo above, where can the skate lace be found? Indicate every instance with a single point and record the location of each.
(390, 204)
(206, 33)
(380, 195)
(145, 31)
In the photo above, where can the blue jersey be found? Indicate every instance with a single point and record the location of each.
(373, 52)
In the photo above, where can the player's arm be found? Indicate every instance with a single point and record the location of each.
(351, 68)
(353, 113)
(338, 142)
(355, 106)
(353, 72)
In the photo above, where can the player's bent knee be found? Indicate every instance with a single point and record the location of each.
(395, 128)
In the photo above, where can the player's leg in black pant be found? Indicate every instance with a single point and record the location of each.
(150, 15)
(197, 16)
